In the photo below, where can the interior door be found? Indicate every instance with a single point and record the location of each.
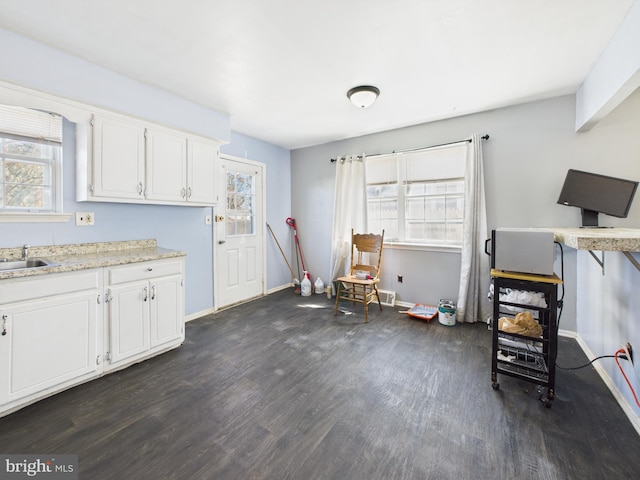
(239, 239)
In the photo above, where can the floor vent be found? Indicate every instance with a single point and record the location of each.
(387, 298)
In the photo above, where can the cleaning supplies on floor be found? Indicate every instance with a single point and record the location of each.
(319, 286)
(305, 285)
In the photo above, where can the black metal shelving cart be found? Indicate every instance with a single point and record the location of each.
(529, 358)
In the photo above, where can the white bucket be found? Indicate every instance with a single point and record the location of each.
(447, 314)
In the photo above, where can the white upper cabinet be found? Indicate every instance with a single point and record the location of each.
(166, 166)
(124, 160)
(118, 159)
(202, 165)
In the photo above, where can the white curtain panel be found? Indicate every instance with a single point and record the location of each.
(349, 210)
(473, 304)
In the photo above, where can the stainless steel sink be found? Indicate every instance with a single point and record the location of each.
(22, 264)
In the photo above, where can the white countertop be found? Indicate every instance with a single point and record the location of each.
(603, 239)
(82, 256)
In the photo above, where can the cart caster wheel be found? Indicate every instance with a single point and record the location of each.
(546, 402)
(495, 386)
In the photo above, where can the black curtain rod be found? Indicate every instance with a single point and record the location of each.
(468, 140)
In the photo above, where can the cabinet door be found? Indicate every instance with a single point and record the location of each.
(167, 312)
(128, 320)
(118, 159)
(202, 162)
(166, 166)
(47, 343)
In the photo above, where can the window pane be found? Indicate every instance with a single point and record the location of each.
(455, 187)
(435, 208)
(435, 232)
(415, 189)
(390, 228)
(435, 188)
(455, 208)
(454, 232)
(415, 209)
(29, 173)
(26, 149)
(27, 196)
(240, 214)
(374, 191)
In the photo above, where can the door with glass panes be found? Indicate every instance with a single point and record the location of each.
(239, 242)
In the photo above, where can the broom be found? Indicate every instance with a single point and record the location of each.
(293, 275)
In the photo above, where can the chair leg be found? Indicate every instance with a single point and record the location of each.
(366, 308)
(335, 310)
(378, 297)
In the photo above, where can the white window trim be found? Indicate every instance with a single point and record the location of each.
(424, 247)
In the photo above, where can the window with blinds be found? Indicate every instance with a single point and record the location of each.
(418, 197)
(30, 160)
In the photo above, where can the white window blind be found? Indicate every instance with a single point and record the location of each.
(435, 164)
(35, 124)
(382, 169)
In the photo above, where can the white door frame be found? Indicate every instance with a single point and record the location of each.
(221, 205)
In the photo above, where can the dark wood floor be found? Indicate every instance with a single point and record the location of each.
(279, 388)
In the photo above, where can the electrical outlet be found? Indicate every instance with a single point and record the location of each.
(207, 219)
(399, 278)
(84, 219)
(629, 352)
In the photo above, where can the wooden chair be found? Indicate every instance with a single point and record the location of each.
(361, 283)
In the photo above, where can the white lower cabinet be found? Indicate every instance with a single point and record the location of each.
(50, 335)
(145, 310)
(59, 330)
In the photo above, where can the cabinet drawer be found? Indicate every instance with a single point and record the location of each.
(29, 288)
(143, 271)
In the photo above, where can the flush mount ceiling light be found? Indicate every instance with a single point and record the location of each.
(363, 96)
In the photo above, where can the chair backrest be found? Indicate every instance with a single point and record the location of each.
(366, 253)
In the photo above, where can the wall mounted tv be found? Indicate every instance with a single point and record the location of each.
(594, 193)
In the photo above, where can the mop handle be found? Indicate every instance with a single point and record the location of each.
(293, 275)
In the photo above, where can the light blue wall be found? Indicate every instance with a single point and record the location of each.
(180, 228)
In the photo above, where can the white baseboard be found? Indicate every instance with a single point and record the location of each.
(202, 313)
(622, 401)
(280, 288)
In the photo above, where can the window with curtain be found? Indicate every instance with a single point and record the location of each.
(30, 161)
(418, 197)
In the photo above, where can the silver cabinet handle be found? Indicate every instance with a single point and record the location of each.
(221, 242)
(189, 193)
(4, 325)
(183, 192)
(140, 188)
(98, 299)
(153, 292)
(146, 293)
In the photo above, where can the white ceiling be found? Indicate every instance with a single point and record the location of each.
(281, 68)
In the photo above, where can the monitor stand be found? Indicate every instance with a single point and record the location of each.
(590, 219)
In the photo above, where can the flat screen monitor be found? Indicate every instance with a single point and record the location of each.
(594, 193)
